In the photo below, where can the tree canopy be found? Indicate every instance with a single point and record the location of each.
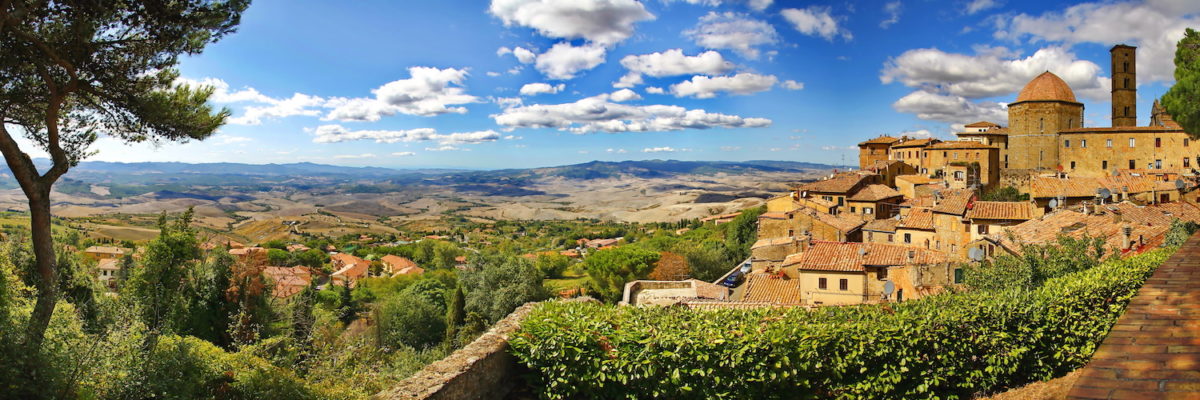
(1183, 100)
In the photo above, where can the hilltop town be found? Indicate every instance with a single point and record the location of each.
(917, 210)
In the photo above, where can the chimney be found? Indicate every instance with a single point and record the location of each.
(1124, 85)
(1126, 239)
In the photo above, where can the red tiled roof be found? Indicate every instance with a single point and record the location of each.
(960, 144)
(919, 218)
(1044, 187)
(914, 143)
(881, 225)
(875, 193)
(1047, 87)
(772, 289)
(880, 140)
(841, 223)
(287, 280)
(1155, 214)
(851, 257)
(840, 184)
(982, 124)
(916, 179)
(1076, 225)
(1001, 210)
(396, 263)
(954, 201)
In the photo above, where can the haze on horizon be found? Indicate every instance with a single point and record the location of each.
(533, 83)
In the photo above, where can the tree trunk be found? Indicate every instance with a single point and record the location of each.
(47, 277)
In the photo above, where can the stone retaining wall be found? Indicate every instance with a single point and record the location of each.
(483, 369)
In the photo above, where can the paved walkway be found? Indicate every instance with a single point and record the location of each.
(1153, 352)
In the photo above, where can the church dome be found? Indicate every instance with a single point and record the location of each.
(1047, 87)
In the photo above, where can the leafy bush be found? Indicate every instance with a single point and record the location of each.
(955, 345)
(410, 320)
(609, 270)
(1035, 264)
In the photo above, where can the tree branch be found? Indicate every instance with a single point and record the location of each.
(18, 162)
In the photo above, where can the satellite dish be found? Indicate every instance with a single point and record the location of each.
(1103, 193)
(862, 251)
(976, 254)
(1114, 172)
(1053, 203)
(1180, 184)
(889, 287)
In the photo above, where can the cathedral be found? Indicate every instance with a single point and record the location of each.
(1046, 134)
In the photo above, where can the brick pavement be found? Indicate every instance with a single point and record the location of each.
(1153, 352)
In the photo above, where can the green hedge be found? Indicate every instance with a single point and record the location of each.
(949, 346)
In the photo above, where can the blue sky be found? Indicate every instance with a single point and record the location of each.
(412, 84)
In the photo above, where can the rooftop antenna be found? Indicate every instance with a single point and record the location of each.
(1180, 184)
(1103, 194)
(888, 288)
(1053, 203)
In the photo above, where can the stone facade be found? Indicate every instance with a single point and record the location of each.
(1096, 152)
(1033, 131)
(1124, 85)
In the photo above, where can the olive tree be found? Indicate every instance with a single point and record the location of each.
(74, 70)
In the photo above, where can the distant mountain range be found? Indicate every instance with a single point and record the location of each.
(128, 179)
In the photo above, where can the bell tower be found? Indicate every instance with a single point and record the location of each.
(1124, 85)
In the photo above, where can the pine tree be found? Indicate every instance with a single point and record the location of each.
(1183, 100)
(455, 313)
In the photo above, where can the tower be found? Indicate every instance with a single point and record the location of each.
(1124, 85)
(1045, 107)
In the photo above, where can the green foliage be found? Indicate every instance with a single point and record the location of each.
(348, 308)
(742, 233)
(610, 269)
(1179, 233)
(206, 313)
(279, 258)
(410, 320)
(455, 314)
(950, 346)
(1035, 264)
(156, 285)
(1007, 193)
(431, 290)
(498, 284)
(553, 265)
(1182, 101)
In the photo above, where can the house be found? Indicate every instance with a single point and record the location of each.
(287, 281)
(774, 289)
(837, 188)
(806, 221)
(839, 273)
(1061, 191)
(107, 270)
(888, 170)
(293, 248)
(874, 150)
(992, 216)
(768, 253)
(1120, 234)
(105, 252)
(393, 264)
(875, 202)
(250, 255)
(665, 293)
(880, 231)
(916, 185)
(348, 269)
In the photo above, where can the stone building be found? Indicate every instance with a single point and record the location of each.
(874, 150)
(909, 152)
(981, 162)
(1044, 107)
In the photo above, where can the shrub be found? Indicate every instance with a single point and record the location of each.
(954, 345)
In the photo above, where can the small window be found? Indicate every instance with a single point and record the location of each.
(1126, 81)
(844, 284)
(868, 210)
(889, 238)
(1126, 111)
(958, 275)
(907, 238)
(883, 274)
(1042, 124)
(1132, 142)
(1104, 165)
(853, 210)
(1125, 66)
(1132, 164)
(1186, 142)
(1108, 143)
(1067, 143)
(945, 154)
(1187, 162)
(822, 284)
(791, 232)
(1157, 142)
(1157, 164)
(1072, 165)
(983, 229)
(1083, 143)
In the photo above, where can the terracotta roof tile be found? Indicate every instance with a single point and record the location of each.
(922, 201)
(1155, 214)
(842, 183)
(880, 140)
(916, 179)
(1001, 210)
(767, 242)
(954, 201)
(919, 218)
(982, 124)
(852, 257)
(1044, 187)
(881, 225)
(914, 143)
(875, 193)
(771, 289)
(1046, 87)
(1076, 225)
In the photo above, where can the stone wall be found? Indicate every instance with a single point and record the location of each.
(483, 369)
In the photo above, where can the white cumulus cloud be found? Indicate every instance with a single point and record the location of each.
(949, 108)
(624, 95)
(670, 63)
(563, 60)
(734, 31)
(1155, 26)
(605, 22)
(429, 91)
(597, 114)
(992, 72)
(338, 133)
(704, 87)
(792, 85)
(531, 89)
(816, 21)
